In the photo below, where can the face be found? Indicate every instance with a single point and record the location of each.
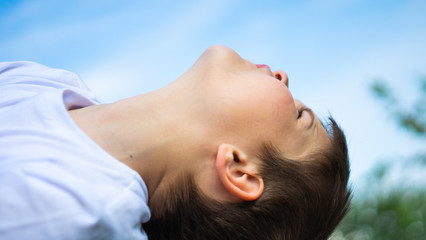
(247, 105)
(253, 105)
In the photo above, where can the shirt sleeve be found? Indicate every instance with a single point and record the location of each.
(28, 212)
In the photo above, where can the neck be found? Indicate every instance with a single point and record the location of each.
(148, 133)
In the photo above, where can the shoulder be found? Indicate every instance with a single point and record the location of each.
(22, 80)
(22, 71)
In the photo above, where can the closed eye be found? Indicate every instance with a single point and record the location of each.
(311, 119)
(300, 112)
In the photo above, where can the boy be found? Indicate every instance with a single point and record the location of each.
(223, 152)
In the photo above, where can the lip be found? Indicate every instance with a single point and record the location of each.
(262, 66)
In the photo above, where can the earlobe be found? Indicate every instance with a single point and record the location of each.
(238, 175)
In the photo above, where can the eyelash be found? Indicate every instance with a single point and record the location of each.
(300, 112)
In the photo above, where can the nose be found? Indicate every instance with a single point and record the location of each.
(281, 76)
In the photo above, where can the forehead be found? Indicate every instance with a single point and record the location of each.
(304, 141)
(321, 138)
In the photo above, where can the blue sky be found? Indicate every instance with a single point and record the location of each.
(331, 50)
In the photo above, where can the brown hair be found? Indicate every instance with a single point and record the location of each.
(301, 200)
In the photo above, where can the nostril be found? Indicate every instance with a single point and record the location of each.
(278, 76)
(281, 76)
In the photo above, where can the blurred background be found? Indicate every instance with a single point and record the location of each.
(362, 61)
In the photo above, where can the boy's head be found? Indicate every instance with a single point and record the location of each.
(267, 167)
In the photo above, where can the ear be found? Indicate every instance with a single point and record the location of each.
(239, 175)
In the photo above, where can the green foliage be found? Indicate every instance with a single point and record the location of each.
(395, 214)
(382, 90)
(399, 212)
(412, 118)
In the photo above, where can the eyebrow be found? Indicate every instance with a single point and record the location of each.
(312, 117)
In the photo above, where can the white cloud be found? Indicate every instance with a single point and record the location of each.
(152, 59)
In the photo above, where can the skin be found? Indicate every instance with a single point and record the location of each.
(211, 122)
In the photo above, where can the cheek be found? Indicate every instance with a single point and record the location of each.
(269, 108)
(276, 103)
(253, 107)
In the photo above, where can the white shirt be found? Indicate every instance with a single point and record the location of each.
(56, 182)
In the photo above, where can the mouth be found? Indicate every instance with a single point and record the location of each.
(262, 66)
